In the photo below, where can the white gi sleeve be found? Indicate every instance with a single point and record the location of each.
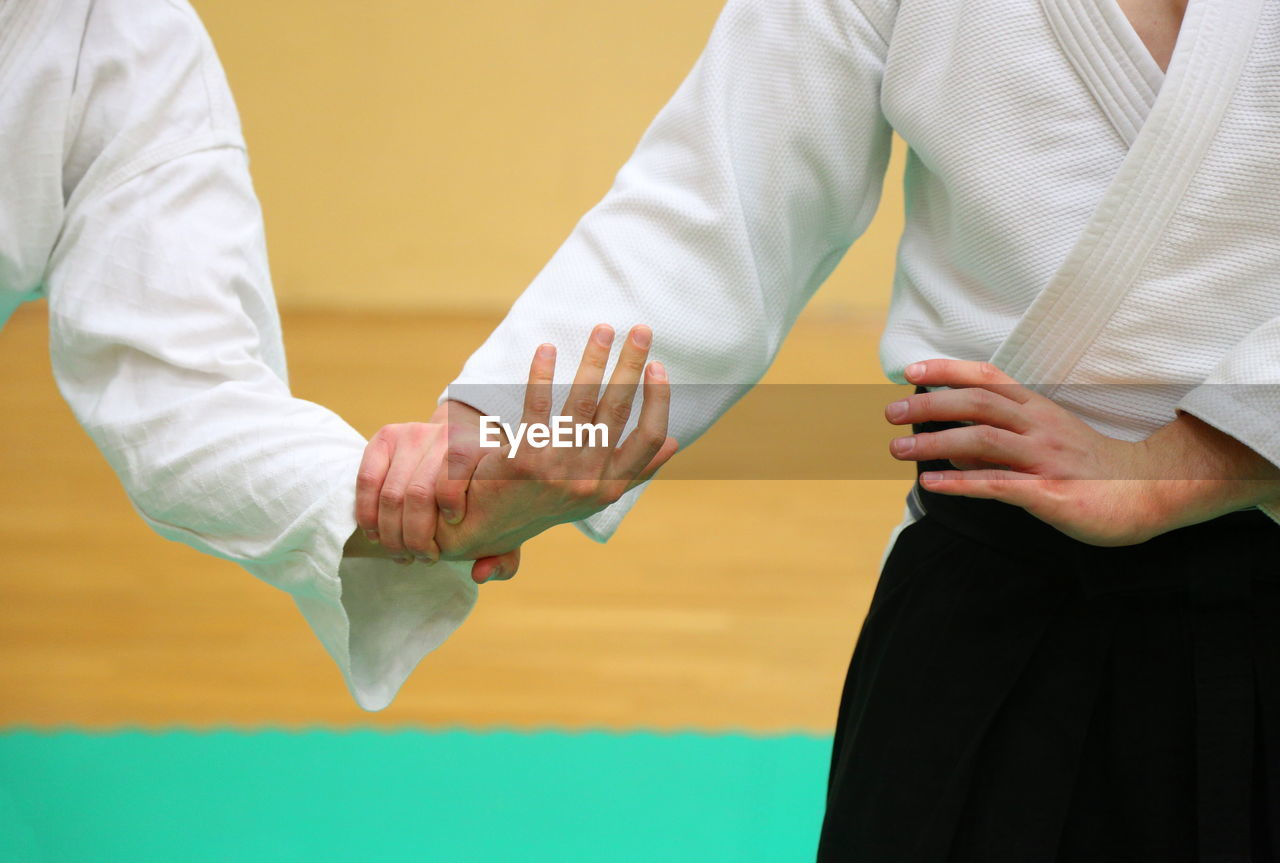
(166, 343)
(740, 199)
(1241, 396)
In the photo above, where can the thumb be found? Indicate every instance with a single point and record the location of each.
(500, 567)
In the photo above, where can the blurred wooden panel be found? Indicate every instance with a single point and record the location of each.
(719, 604)
(431, 154)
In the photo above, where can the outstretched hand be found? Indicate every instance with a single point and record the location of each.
(517, 493)
(428, 491)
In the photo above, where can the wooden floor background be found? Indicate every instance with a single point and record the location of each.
(720, 604)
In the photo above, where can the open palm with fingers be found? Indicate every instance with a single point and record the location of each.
(517, 492)
(428, 491)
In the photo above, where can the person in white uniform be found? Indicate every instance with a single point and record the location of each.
(1084, 666)
(126, 201)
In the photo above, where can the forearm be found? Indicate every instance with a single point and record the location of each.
(1207, 473)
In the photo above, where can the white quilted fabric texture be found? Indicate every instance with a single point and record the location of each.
(767, 163)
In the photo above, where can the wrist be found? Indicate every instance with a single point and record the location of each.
(1200, 473)
(1162, 500)
(469, 540)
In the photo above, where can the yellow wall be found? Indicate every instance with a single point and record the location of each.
(432, 155)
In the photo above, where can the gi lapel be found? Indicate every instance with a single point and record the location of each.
(1075, 306)
(1110, 58)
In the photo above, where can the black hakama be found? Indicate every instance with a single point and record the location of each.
(1017, 696)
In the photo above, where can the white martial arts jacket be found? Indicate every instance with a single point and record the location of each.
(125, 200)
(1091, 224)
